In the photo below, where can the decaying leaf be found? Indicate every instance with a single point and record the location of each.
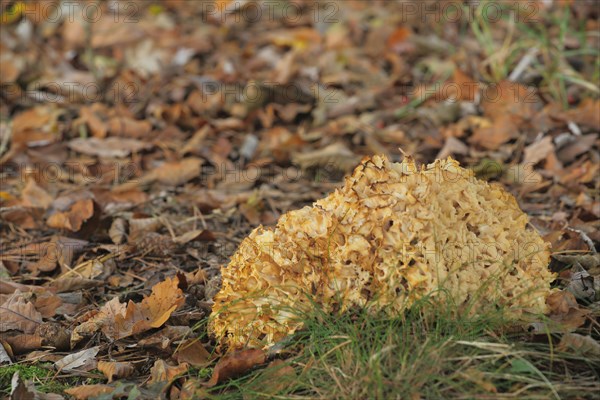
(84, 360)
(161, 371)
(74, 217)
(86, 391)
(565, 311)
(115, 369)
(236, 364)
(391, 235)
(118, 320)
(193, 353)
(108, 147)
(19, 314)
(34, 196)
(585, 345)
(173, 173)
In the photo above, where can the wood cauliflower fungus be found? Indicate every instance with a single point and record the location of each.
(392, 234)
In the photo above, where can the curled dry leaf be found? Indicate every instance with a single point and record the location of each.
(74, 217)
(277, 376)
(19, 314)
(584, 345)
(118, 230)
(86, 391)
(34, 196)
(84, 360)
(118, 320)
(115, 369)
(169, 173)
(161, 371)
(236, 364)
(390, 236)
(565, 311)
(111, 147)
(193, 352)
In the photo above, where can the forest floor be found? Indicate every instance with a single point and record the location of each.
(141, 141)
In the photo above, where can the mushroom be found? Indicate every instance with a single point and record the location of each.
(391, 235)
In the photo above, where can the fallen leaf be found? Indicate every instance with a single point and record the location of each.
(584, 345)
(23, 343)
(118, 320)
(578, 146)
(34, 196)
(152, 312)
(4, 357)
(17, 313)
(278, 376)
(204, 235)
(336, 155)
(163, 338)
(452, 147)
(84, 360)
(124, 126)
(538, 150)
(236, 364)
(170, 173)
(492, 137)
(35, 127)
(565, 311)
(86, 391)
(161, 371)
(115, 369)
(118, 230)
(585, 114)
(95, 117)
(105, 316)
(193, 352)
(74, 217)
(111, 147)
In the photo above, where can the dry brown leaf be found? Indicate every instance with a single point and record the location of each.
(584, 345)
(585, 114)
(34, 196)
(124, 126)
(277, 376)
(510, 99)
(111, 147)
(118, 230)
(46, 303)
(74, 217)
(564, 310)
(106, 316)
(193, 352)
(203, 235)
(492, 137)
(84, 360)
(236, 364)
(579, 145)
(163, 338)
(23, 343)
(179, 172)
(19, 314)
(35, 127)
(169, 173)
(86, 391)
(163, 372)
(336, 155)
(115, 369)
(119, 322)
(538, 150)
(95, 118)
